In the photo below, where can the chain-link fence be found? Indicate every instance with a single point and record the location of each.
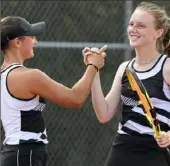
(76, 138)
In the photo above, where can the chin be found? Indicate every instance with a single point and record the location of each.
(135, 45)
(30, 56)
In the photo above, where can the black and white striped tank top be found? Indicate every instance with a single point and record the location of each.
(21, 118)
(133, 119)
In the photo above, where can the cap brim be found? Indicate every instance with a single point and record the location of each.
(36, 29)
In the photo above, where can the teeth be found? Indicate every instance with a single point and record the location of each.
(134, 37)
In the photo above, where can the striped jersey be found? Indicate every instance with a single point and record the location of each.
(133, 119)
(21, 118)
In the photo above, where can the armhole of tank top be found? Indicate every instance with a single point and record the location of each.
(163, 63)
(10, 92)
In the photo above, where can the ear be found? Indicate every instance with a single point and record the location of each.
(16, 42)
(159, 33)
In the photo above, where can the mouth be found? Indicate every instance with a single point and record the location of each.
(134, 37)
(34, 47)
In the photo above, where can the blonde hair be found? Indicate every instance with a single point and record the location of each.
(162, 21)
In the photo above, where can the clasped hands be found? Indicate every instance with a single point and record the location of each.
(94, 56)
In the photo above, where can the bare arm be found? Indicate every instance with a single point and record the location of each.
(106, 107)
(166, 71)
(39, 83)
(163, 139)
(35, 82)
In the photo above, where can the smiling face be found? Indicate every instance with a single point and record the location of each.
(141, 29)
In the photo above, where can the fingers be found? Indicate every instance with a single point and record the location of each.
(88, 53)
(163, 140)
(163, 143)
(92, 53)
(85, 50)
(95, 50)
(103, 48)
(97, 60)
(99, 51)
(85, 57)
(103, 54)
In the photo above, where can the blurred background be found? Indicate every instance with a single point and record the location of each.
(76, 138)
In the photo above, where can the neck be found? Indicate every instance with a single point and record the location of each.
(146, 55)
(10, 57)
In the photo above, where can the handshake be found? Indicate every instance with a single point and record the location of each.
(94, 56)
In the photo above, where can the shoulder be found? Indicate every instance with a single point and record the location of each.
(28, 74)
(166, 66)
(29, 71)
(34, 74)
(124, 64)
(122, 68)
(167, 62)
(166, 70)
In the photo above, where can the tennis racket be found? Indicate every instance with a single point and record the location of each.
(145, 101)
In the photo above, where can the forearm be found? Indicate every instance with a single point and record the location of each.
(99, 103)
(82, 88)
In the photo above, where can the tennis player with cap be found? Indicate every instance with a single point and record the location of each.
(24, 90)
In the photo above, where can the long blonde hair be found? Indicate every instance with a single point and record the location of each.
(162, 21)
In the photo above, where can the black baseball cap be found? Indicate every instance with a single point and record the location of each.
(16, 26)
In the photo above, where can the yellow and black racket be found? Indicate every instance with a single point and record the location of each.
(146, 102)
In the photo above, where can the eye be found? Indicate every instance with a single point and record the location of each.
(141, 26)
(131, 24)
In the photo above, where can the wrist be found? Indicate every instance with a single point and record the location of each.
(91, 64)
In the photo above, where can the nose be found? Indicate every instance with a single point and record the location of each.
(35, 40)
(132, 29)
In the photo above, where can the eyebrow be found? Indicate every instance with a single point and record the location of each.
(136, 21)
